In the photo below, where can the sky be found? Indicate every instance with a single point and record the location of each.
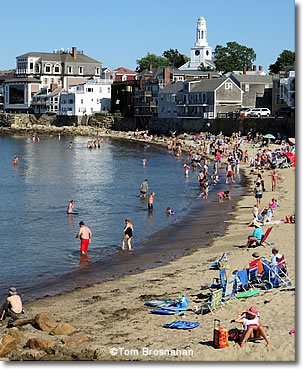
(117, 33)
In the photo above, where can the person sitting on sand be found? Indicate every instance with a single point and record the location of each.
(12, 306)
(252, 325)
(276, 256)
(256, 237)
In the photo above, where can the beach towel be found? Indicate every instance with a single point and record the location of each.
(181, 324)
(163, 312)
(248, 293)
(158, 303)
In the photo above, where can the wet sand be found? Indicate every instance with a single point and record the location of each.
(113, 316)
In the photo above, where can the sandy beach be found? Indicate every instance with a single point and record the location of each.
(118, 326)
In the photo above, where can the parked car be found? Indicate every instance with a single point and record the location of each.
(284, 112)
(259, 112)
(244, 112)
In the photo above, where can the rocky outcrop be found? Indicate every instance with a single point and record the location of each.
(44, 322)
(40, 344)
(15, 333)
(63, 329)
(7, 345)
(75, 340)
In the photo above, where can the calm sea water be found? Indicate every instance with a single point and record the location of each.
(37, 236)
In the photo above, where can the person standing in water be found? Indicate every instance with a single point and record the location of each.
(151, 202)
(144, 188)
(15, 160)
(85, 235)
(144, 162)
(70, 207)
(128, 234)
(70, 145)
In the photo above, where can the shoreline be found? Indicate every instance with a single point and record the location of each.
(153, 252)
(112, 314)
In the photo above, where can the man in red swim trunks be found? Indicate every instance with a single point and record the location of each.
(85, 235)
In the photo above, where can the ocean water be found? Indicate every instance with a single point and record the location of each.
(38, 237)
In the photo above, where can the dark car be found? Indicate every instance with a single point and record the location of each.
(284, 112)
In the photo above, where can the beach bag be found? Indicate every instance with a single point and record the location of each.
(182, 301)
(220, 338)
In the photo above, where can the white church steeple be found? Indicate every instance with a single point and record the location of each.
(201, 33)
(200, 53)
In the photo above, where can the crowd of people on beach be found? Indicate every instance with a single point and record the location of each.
(225, 151)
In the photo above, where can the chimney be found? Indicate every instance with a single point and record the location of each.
(150, 68)
(254, 68)
(166, 75)
(210, 76)
(248, 69)
(244, 70)
(260, 68)
(74, 52)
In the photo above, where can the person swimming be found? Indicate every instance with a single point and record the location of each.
(170, 211)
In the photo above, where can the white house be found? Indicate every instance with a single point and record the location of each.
(87, 98)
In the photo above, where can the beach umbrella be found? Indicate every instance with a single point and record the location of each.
(269, 136)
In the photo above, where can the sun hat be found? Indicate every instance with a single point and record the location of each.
(252, 310)
(12, 291)
(255, 255)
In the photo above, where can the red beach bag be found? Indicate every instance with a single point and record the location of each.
(220, 339)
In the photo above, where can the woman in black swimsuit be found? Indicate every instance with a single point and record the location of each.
(128, 234)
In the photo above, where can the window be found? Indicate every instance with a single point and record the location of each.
(56, 107)
(97, 71)
(52, 80)
(70, 69)
(45, 81)
(57, 69)
(70, 101)
(63, 101)
(246, 86)
(89, 89)
(173, 98)
(81, 101)
(108, 90)
(228, 86)
(168, 97)
(80, 70)
(100, 89)
(31, 66)
(37, 68)
(69, 109)
(47, 69)
(161, 97)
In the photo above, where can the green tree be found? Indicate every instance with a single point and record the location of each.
(285, 59)
(205, 69)
(233, 57)
(151, 59)
(174, 58)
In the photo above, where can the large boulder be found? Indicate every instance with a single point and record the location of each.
(44, 322)
(75, 340)
(38, 343)
(7, 345)
(18, 335)
(63, 329)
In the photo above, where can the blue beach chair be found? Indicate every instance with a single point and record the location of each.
(242, 275)
(218, 282)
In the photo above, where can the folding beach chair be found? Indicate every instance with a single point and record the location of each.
(266, 234)
(229, 290)
(273, 277)
(242, 275)
(215, 300)
(217, 282)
